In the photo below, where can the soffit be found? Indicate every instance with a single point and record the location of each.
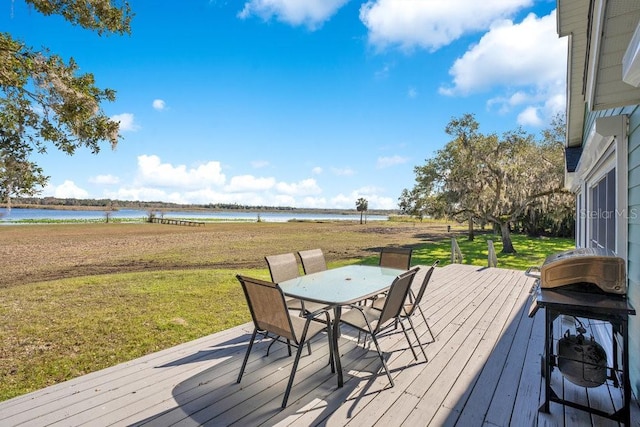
(572, 20)
(621, 19)
(595, 82)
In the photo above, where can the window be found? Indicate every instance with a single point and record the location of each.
(602, 213)
(600, 184)
(580, 220)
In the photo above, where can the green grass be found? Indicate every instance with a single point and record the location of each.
(55, 331)
(530, 251)
(58, 330)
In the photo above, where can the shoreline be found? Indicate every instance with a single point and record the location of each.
(188, 208)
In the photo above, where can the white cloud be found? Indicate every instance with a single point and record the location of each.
(145, 194)
(67, 190)
(127, 122)
(527, 61)
(529, 53)
(310, 13)
(158, 104)
(314, 202)
(431, 24)
(412, 93)
(386, 162)
(317, 170)
(384, 72)
(104, 179)
(284, 200)
(504, 104)
(342, 171)
(258, 164)
(343, 202)
(379, 202)
(203, 184)
(375, 201)
(530, 117)
(306, 187)
(151, 171)
(245, 183)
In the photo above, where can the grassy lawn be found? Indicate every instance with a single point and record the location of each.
(56, 330)
(530, 251)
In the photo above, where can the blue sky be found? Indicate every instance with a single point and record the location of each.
(309, 103)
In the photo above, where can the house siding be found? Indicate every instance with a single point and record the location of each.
(632, 212)
(633, 248)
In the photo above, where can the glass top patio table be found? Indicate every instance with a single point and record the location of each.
(341, 286)
(337, 287)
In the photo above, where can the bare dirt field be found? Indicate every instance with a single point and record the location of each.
(33, 253)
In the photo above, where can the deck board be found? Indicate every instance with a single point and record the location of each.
(483, 368)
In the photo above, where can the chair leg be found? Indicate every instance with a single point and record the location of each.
(295, 363)
(272, 343)
(384, 364)
(418, 339)
(246, 356)
(406, 335)
(364, 340)
(433, 338)
(291, 376)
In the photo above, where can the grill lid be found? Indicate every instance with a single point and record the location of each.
(583, 266)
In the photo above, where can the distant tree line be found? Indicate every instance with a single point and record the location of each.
(136, 204)
(111, 204)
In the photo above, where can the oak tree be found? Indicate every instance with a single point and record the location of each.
(490, 178)
(45, 101)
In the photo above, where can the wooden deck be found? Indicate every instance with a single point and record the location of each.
(483, 369)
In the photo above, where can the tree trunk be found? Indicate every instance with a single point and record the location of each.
(507, 245)
(471, 235)
(361, 212)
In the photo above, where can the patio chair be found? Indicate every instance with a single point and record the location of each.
(312, 261)
(399, 258)
(372, 321)
(413, 304)
(396, 258)
(285, 267)
(269, 313)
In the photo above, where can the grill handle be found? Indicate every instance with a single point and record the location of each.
(533, 272)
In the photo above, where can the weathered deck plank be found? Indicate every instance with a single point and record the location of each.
(483, 368)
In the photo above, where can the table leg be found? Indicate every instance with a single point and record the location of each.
(337, 311)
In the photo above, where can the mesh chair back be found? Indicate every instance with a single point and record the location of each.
(421, 291)
(312, 261)
(394, 302)
(268, 307)
(395, 258)
(283, 267)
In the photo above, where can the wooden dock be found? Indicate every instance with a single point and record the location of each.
(483, 369)
(175, 221)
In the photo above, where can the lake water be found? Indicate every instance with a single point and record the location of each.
(137, 214)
